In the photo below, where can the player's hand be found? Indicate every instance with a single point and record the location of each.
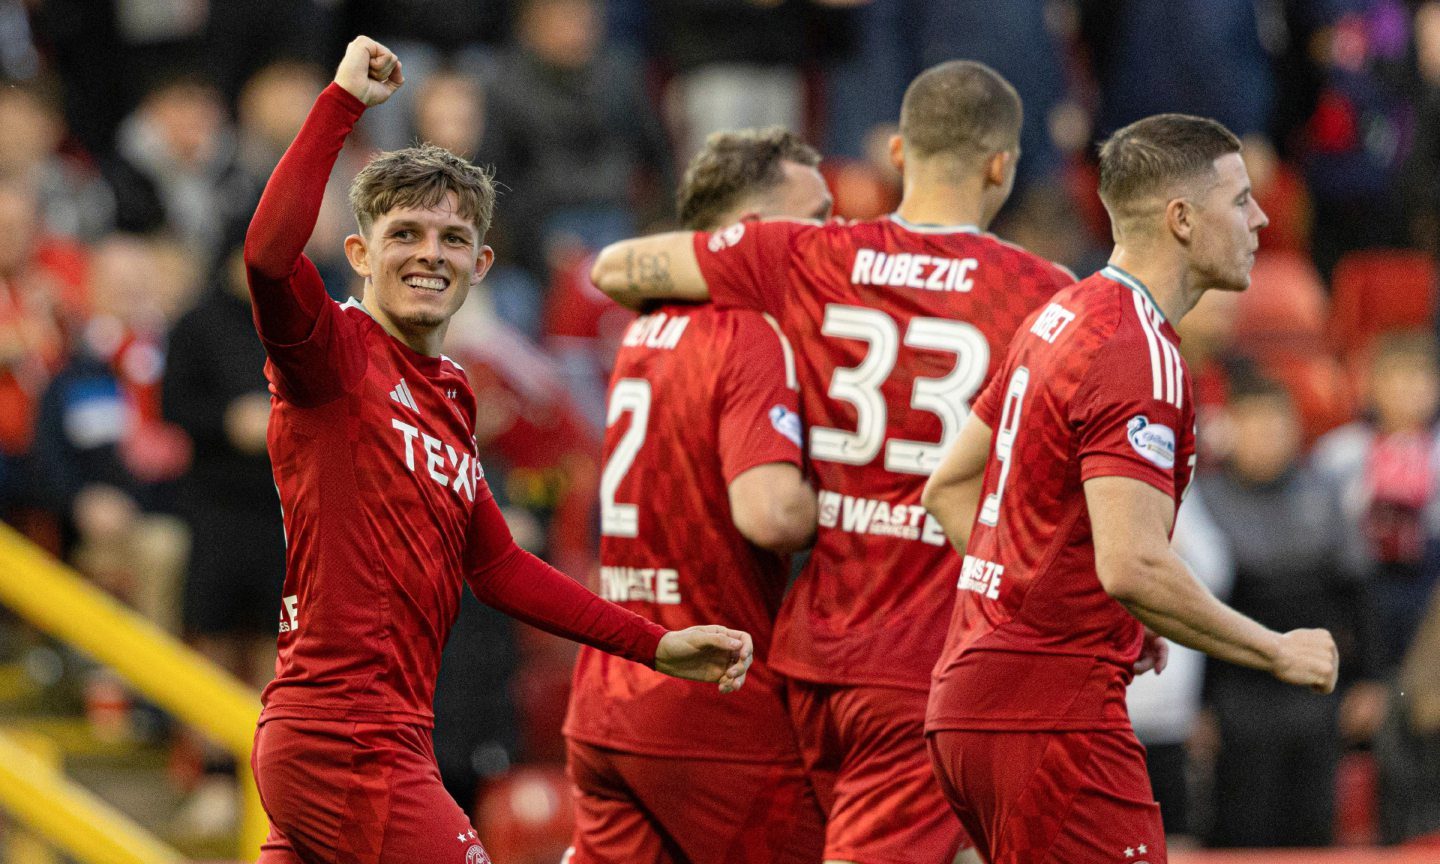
(1307, 658)
(708, 653)
(1154, 654)
(369, 71)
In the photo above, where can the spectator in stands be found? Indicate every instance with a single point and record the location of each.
(897, 39)
(175, 153)
(243, 37)
(449, 111)
(214, 389)
(1387, 466)
(1421, 184)
(572, 134)
(42, 292)
(434, 36)
(1353, 144)
(75, 201)
(737, 65)
(103, 455)
(1200, 57)
(1279, 747)
(1165, 709)
(272, 106)
(1408, 747)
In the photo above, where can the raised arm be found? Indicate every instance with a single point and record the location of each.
(1131, 522)
(952, 494)
(659, 267)
(285, 286)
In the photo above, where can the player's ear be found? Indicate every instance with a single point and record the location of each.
(483, 259)
(1180, 219)
(897, 153)
(998, 167)
(357, 253)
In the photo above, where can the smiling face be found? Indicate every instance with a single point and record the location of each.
(418, 264)
(1226, 227)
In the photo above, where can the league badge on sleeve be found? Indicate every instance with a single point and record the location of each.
(787, 423)
(1154, 441)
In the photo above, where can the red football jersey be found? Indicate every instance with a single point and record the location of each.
(387, 513)
(699, 395)
(373, 450)
(1093, 386)
(894, 327)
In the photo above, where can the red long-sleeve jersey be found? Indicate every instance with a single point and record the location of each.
(386, 505)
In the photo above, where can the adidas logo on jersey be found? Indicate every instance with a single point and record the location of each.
(402, 394)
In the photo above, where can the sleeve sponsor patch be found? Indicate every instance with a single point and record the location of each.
(787, 423)
(727, 237)
(1154, 441)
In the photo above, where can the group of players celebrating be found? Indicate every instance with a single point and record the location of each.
(891, 391)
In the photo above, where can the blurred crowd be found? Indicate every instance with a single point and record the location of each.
(136, 136)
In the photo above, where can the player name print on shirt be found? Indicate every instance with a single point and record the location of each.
(1052, 322)
(911, 270)
(656, 331)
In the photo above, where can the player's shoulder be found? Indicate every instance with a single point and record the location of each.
(1027, 263)
(779, 229)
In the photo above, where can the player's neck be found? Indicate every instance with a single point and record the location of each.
(427, 341)
(1165, 277)
(930, 200)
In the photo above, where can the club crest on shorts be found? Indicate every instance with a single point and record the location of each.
(1154, 441)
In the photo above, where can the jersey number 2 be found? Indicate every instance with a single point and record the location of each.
(630, 395)
(947, 397)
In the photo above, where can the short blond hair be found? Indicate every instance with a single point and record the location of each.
(960, 108)
(1157, 154)
(421, 177)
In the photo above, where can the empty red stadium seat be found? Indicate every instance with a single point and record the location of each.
(1356, 800)
(527, 816)
(1379, 290)
(1286, 302)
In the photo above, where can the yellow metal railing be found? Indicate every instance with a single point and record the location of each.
(59, 602)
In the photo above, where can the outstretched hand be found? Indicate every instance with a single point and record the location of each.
(708, 653)
(369, 71)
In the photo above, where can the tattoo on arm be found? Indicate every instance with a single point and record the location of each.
(648, 273)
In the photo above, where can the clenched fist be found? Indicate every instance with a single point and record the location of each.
(369, 71)
(1307, 658)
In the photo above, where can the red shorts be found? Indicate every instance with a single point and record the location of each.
(633, 809)
(340, 792)
(864, 748)
(1052, 797)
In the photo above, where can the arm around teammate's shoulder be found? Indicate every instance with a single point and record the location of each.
(659, 267)
(1130, 521)
(773, 507)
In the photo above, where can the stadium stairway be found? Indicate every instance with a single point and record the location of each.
(83, 753)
